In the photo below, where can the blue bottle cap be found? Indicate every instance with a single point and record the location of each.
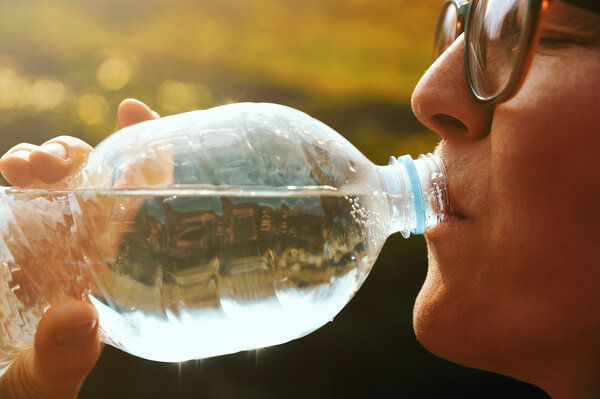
(417, 190)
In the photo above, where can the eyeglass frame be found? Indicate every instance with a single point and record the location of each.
(536, 11)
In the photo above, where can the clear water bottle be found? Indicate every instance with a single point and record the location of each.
(209, 232)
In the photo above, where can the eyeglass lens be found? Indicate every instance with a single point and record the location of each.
(446, 30)
(493, 37)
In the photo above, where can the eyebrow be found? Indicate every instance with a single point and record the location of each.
(590, 5)
(577, 19)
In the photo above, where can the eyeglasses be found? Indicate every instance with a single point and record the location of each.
(500, 39)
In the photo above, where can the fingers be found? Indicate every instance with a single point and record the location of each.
(156, 167)
(66, 344)
(65, 350)
(132, 111)
(28, 165)
(15, 167)
(54, 160)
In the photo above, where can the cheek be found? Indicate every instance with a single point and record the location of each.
(545, 168)
(537, 245)
(545, 182)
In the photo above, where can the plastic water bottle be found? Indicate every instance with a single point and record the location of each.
(209, 232)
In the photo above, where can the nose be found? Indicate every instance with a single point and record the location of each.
(443, 102)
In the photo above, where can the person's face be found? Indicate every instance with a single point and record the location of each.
(514, 274)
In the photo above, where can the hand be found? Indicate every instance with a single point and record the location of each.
(66, 343)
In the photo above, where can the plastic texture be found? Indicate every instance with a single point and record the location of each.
(209, 232)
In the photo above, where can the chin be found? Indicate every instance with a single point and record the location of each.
(433, 321)
(446, 321)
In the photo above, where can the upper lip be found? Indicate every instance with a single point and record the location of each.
(455, 186)
(454, 209)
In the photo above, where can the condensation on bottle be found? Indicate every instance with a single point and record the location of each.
(210, 232)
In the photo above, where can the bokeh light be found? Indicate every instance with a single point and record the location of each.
(92, 108)
(10, 88)
(176, 96)
(114, 73)
(47, 93)
(66, 65)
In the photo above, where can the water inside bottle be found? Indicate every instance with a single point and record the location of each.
(190, 273)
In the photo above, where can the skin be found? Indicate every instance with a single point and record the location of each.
(512, 283)
(513, 275)
(66, 343)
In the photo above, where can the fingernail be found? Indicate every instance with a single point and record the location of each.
(24, 154)
(55, 149)
(75, 334)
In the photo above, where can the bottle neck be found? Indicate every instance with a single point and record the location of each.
(417, 193)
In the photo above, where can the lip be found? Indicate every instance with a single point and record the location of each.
(452, 218)
(456, 194)
(455, 212)
(451, 226)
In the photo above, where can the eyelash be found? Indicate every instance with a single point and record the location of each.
(556, 41)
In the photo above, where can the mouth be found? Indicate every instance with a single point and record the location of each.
(451, 226)
(455, 212)
(453, 217)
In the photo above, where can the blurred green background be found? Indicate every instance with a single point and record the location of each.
(66, 65)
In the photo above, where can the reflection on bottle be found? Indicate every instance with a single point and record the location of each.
(210, 232)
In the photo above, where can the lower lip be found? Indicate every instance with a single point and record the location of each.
(453, 220)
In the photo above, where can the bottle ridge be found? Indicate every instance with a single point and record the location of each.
(209, 232)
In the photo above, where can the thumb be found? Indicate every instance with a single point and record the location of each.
(132, 111)
(65, 350)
